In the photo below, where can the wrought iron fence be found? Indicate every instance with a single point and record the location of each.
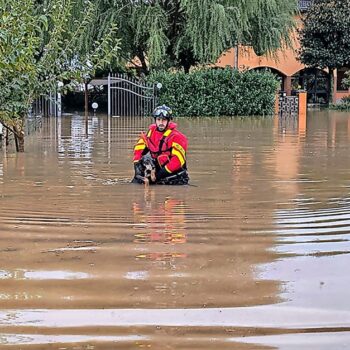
(304, 4)
(288, 104)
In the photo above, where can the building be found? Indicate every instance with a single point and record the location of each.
(293, 74)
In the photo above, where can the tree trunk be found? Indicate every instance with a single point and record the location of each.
(7, 141)
(187, 67)
(19, 143)
(19, 135)
(331, 85)
(185, 63)
(186, 60)
(235, 63)
(142, 58)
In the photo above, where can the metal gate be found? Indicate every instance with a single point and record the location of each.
(130, 97)
(47, 105)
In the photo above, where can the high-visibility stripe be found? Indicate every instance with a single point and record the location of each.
(167, 169)
(167, 133)
(139, 147)
(179, 148)
(149, 133)
(179, 155)
(140, 144)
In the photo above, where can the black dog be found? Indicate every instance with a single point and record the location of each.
(145, 171)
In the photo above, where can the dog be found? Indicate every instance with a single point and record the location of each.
(145, 171)
(149, 173)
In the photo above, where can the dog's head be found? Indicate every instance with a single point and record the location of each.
(148, 165)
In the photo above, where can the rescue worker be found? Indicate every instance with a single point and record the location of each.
(165, 147)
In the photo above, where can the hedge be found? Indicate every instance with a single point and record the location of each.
(218, 92)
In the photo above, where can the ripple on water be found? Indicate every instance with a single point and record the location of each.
(87, 259)
(304, 232)
(42, 275)
(313, 246)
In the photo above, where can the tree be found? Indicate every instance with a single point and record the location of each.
(346, 80)
(325, 39)
(43, 43)
(168, 33)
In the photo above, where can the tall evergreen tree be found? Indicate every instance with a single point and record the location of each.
(325, 36)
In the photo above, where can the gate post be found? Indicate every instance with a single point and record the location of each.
(59, 104)
(49, 109)
(109, 94)
(59, 99)
(302, 95)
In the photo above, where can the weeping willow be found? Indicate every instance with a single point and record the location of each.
(88, 20)
(170, 32)
(206, 28)
(269, 25)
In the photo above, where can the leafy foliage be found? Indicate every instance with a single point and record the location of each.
(325, 37)
(346, 80)
(183, 33)
(41, 44)
(344, 104)
(215, 92)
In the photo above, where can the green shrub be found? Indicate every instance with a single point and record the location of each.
(346, 99)
(216, 92)
(344, 104)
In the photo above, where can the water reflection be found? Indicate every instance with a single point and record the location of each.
(315, 340)
(258, 245)
(160, 223)
(41, 275)
(312, 236)
(37, 339)
(1, 172)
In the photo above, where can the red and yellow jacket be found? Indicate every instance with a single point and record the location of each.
(168, 148)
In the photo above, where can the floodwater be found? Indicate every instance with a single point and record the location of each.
(252, 255)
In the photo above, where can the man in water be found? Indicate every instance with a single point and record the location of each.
(160, 155)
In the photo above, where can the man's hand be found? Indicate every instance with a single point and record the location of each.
(153, 175)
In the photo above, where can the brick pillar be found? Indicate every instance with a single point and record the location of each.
(302, 95)
(288, 85)
(335, 81)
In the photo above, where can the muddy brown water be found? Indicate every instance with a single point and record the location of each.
(253, 255)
